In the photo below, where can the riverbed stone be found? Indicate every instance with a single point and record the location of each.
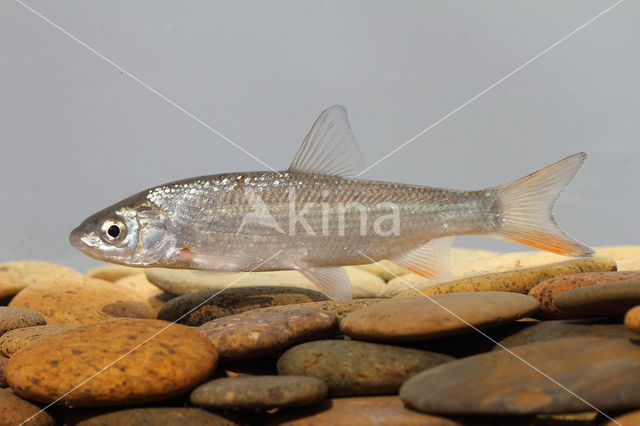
(15, 410)
(632, 319)
(155, 297)
(629, 419)
(267, 330)
(82, 300)
(12, 318)
(259, 392)
(498, 383)
(156, 360)
(341, 308)
(420, 318)
(15, 276)
(113, 273)
(518, 281)
(158, 416)
(3, 380)
(632, 264)
(198, 308)
(547, 290)
(352, 368)
(600, 300)
(14, 340)
(358, 411)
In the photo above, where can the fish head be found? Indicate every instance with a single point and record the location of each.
(128, 233)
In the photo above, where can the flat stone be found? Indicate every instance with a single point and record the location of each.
(155, 297)
(259, 392)
(15, 410)
(419, 318)
(14, 340)
(267, 330)
(3, 380)
(12, 318)
(340, 308)
(632, 264)
(629, 419)
(158, 416)
(215, 304)
(172, 360)
(15, 276)
(547, 290)
(358, 411)
(82, 300)
(498, 383)
(600, 300)
(352, 368)
(518, 281)
(113, 273)
(176, 281)
(632, 319)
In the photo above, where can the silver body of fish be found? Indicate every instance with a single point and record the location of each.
(314, 218)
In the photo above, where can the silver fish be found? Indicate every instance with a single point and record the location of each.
(314, 218)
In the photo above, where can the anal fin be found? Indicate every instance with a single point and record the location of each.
(331, 280)
(431, 260)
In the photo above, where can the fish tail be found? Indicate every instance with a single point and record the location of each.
(526, 210)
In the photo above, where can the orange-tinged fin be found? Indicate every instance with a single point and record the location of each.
(431, 260)
(527, 209)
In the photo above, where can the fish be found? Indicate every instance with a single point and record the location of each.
(317, 216)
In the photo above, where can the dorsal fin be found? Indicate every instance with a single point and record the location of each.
(330, 148)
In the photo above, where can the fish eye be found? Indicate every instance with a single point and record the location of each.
(113, 230)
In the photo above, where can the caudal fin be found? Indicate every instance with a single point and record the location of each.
(527, 208)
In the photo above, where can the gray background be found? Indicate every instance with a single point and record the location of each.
(77, 135)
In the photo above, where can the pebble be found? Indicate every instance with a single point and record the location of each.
(632, 319)
(14, 340)
(158, 416)
(172, 361)
(15, 410)
(175, 281)
(519, 281)
(629, 419)
(547, 290)
(605, 372)
(267, 330)
(358, 411)
(198, 308)
(632, 264)
(341, 308)
(15, 276)
(82, 300)
(259, 392)
(155, 297)
(352, 368)
(599, 300)
(3, 380)
(419, 318)
(113, 273)
(13, 318)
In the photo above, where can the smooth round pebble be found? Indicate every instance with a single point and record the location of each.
(12, 318)
(15, 410)
(628, 419)
(3, 380)
(352, 368)
(172, 360)
(419, 318)
(215, 304)
(341, 308)
(632, 319)
(605, 372)
(267, 330)
(155, 297)
(158, 416)
(82, 300)
(259, 392)
(632, 264)
(358, 411)
(600, 300)
(15, 276)
(547, 290)
(113, 273)
(14, 340)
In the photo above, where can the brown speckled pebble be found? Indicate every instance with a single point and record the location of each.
(15, 410)
(14, 340)
(3, 380)
(232, 301)
(267, 330)
(15, 276)
(547, 290)
(632, 319)
(352, 368)
(259, 392)
(13, 318)
(161, 416)
(82, 300)
(341, 308)
(174, 361)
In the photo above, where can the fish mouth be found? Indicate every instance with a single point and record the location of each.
(75, 239)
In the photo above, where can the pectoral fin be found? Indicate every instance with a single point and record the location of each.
(431, 260)
(331, 280)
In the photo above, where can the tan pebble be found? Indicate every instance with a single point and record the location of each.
(82, 300)
(155, 296)
(632, 264)
(159, 416)
(14, 340)
(632, 319)
(15, 276)
(13, 318)
(618, 253)
(15, 410)
(113, 272)
(3, 380)
(340, 308)
(384, 269)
